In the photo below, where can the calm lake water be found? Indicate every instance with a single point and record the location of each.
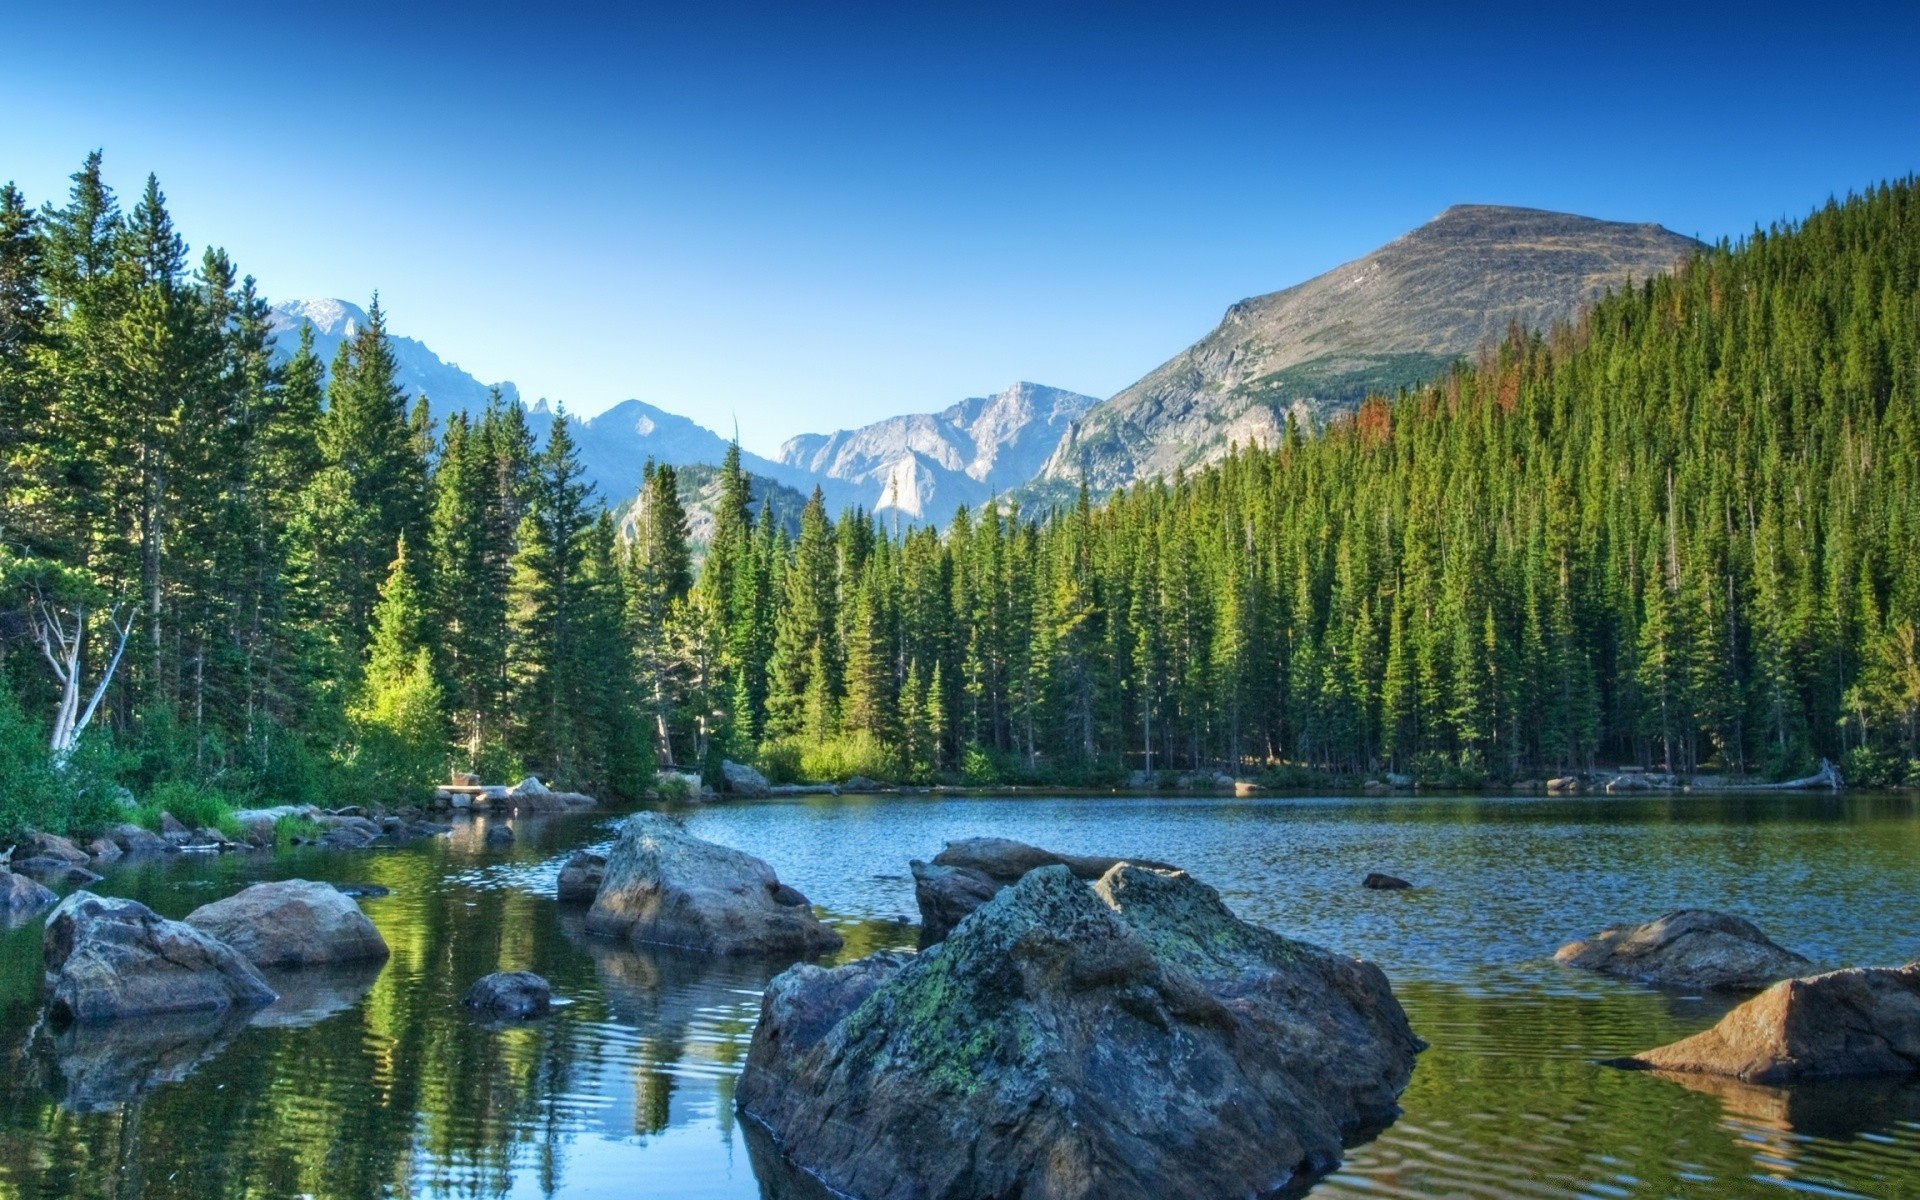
(377, 1084)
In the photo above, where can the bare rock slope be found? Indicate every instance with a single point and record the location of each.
(1396, 317)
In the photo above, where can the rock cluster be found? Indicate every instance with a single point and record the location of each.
(1861, 1021)
(109, 958)
(1126, 1039)
(1687, 948)
(664, 886)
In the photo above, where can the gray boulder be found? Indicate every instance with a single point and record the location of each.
(103, 850)
(1687, 948)
(1379, 882)
(499, 834)
(972, 871)
(1862, 1021)
(51, 845)
(1132, 1040)
(665, 886)
(291, 923)
(510, 995)
(743, 780)
(109, 958)
(20, 895)
(581, 876)
(947, 896)
(134, 840)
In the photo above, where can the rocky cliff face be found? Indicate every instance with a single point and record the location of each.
(1394, 318)
(925, 465)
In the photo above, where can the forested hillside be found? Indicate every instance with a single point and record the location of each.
(307, 595)
(1680, 533)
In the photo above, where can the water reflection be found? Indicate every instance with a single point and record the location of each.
(373, 1081)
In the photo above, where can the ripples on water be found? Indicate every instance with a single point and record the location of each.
(375, 1083)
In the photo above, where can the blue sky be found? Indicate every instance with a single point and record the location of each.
(810, 219)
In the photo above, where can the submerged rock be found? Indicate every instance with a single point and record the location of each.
(1132, 1040)
(55, 872)
(1379, 882)
(110, 958)
(512, 995)
(100, 1067)
(970, 872)
(581, 876)
(291, 923)
(667, 887)
(1861, 1021)
(20, 895)
(1687, 948)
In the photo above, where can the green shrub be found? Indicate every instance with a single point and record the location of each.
(839, 758)
(779, 760)
(1867, 767)
(675, 789)
(294, 826)
(192, 805)
(34, 794)
(977, 767)
(495, 763)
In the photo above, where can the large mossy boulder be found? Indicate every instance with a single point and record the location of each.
(1862, 1021)
(292, 923)
(108, 959)
(1688, 948)
(970, 872)
(666, 887)
(1128, 1040)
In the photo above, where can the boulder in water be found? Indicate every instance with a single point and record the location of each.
(947, 896)
(103, 850)
(1861, 1021)
(109, 958)
(55, 872)
(1380, 882)
(291, 923)
(20, 895)
(510, 995)
(1687, 948)
(970, 872)
(581, 876)
(743, 780)
(665, 886)
(1127, 1040)
(52, 845)
(134, 840)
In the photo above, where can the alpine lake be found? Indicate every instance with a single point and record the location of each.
(376, 1083)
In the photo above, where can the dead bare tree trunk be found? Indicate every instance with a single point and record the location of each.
(63, 648)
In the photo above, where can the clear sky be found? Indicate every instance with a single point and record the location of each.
(811, 216)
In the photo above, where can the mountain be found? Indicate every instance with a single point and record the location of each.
(925, 465)
(1399, 316)
(421, 370)
(616, 444)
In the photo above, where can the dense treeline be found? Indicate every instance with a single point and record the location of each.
(1679, 533)
(1682, 532)
(220, 575)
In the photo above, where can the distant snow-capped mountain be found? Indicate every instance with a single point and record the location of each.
(422, 372)
(925, 465)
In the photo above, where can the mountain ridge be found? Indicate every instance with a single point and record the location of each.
(1394, 317)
